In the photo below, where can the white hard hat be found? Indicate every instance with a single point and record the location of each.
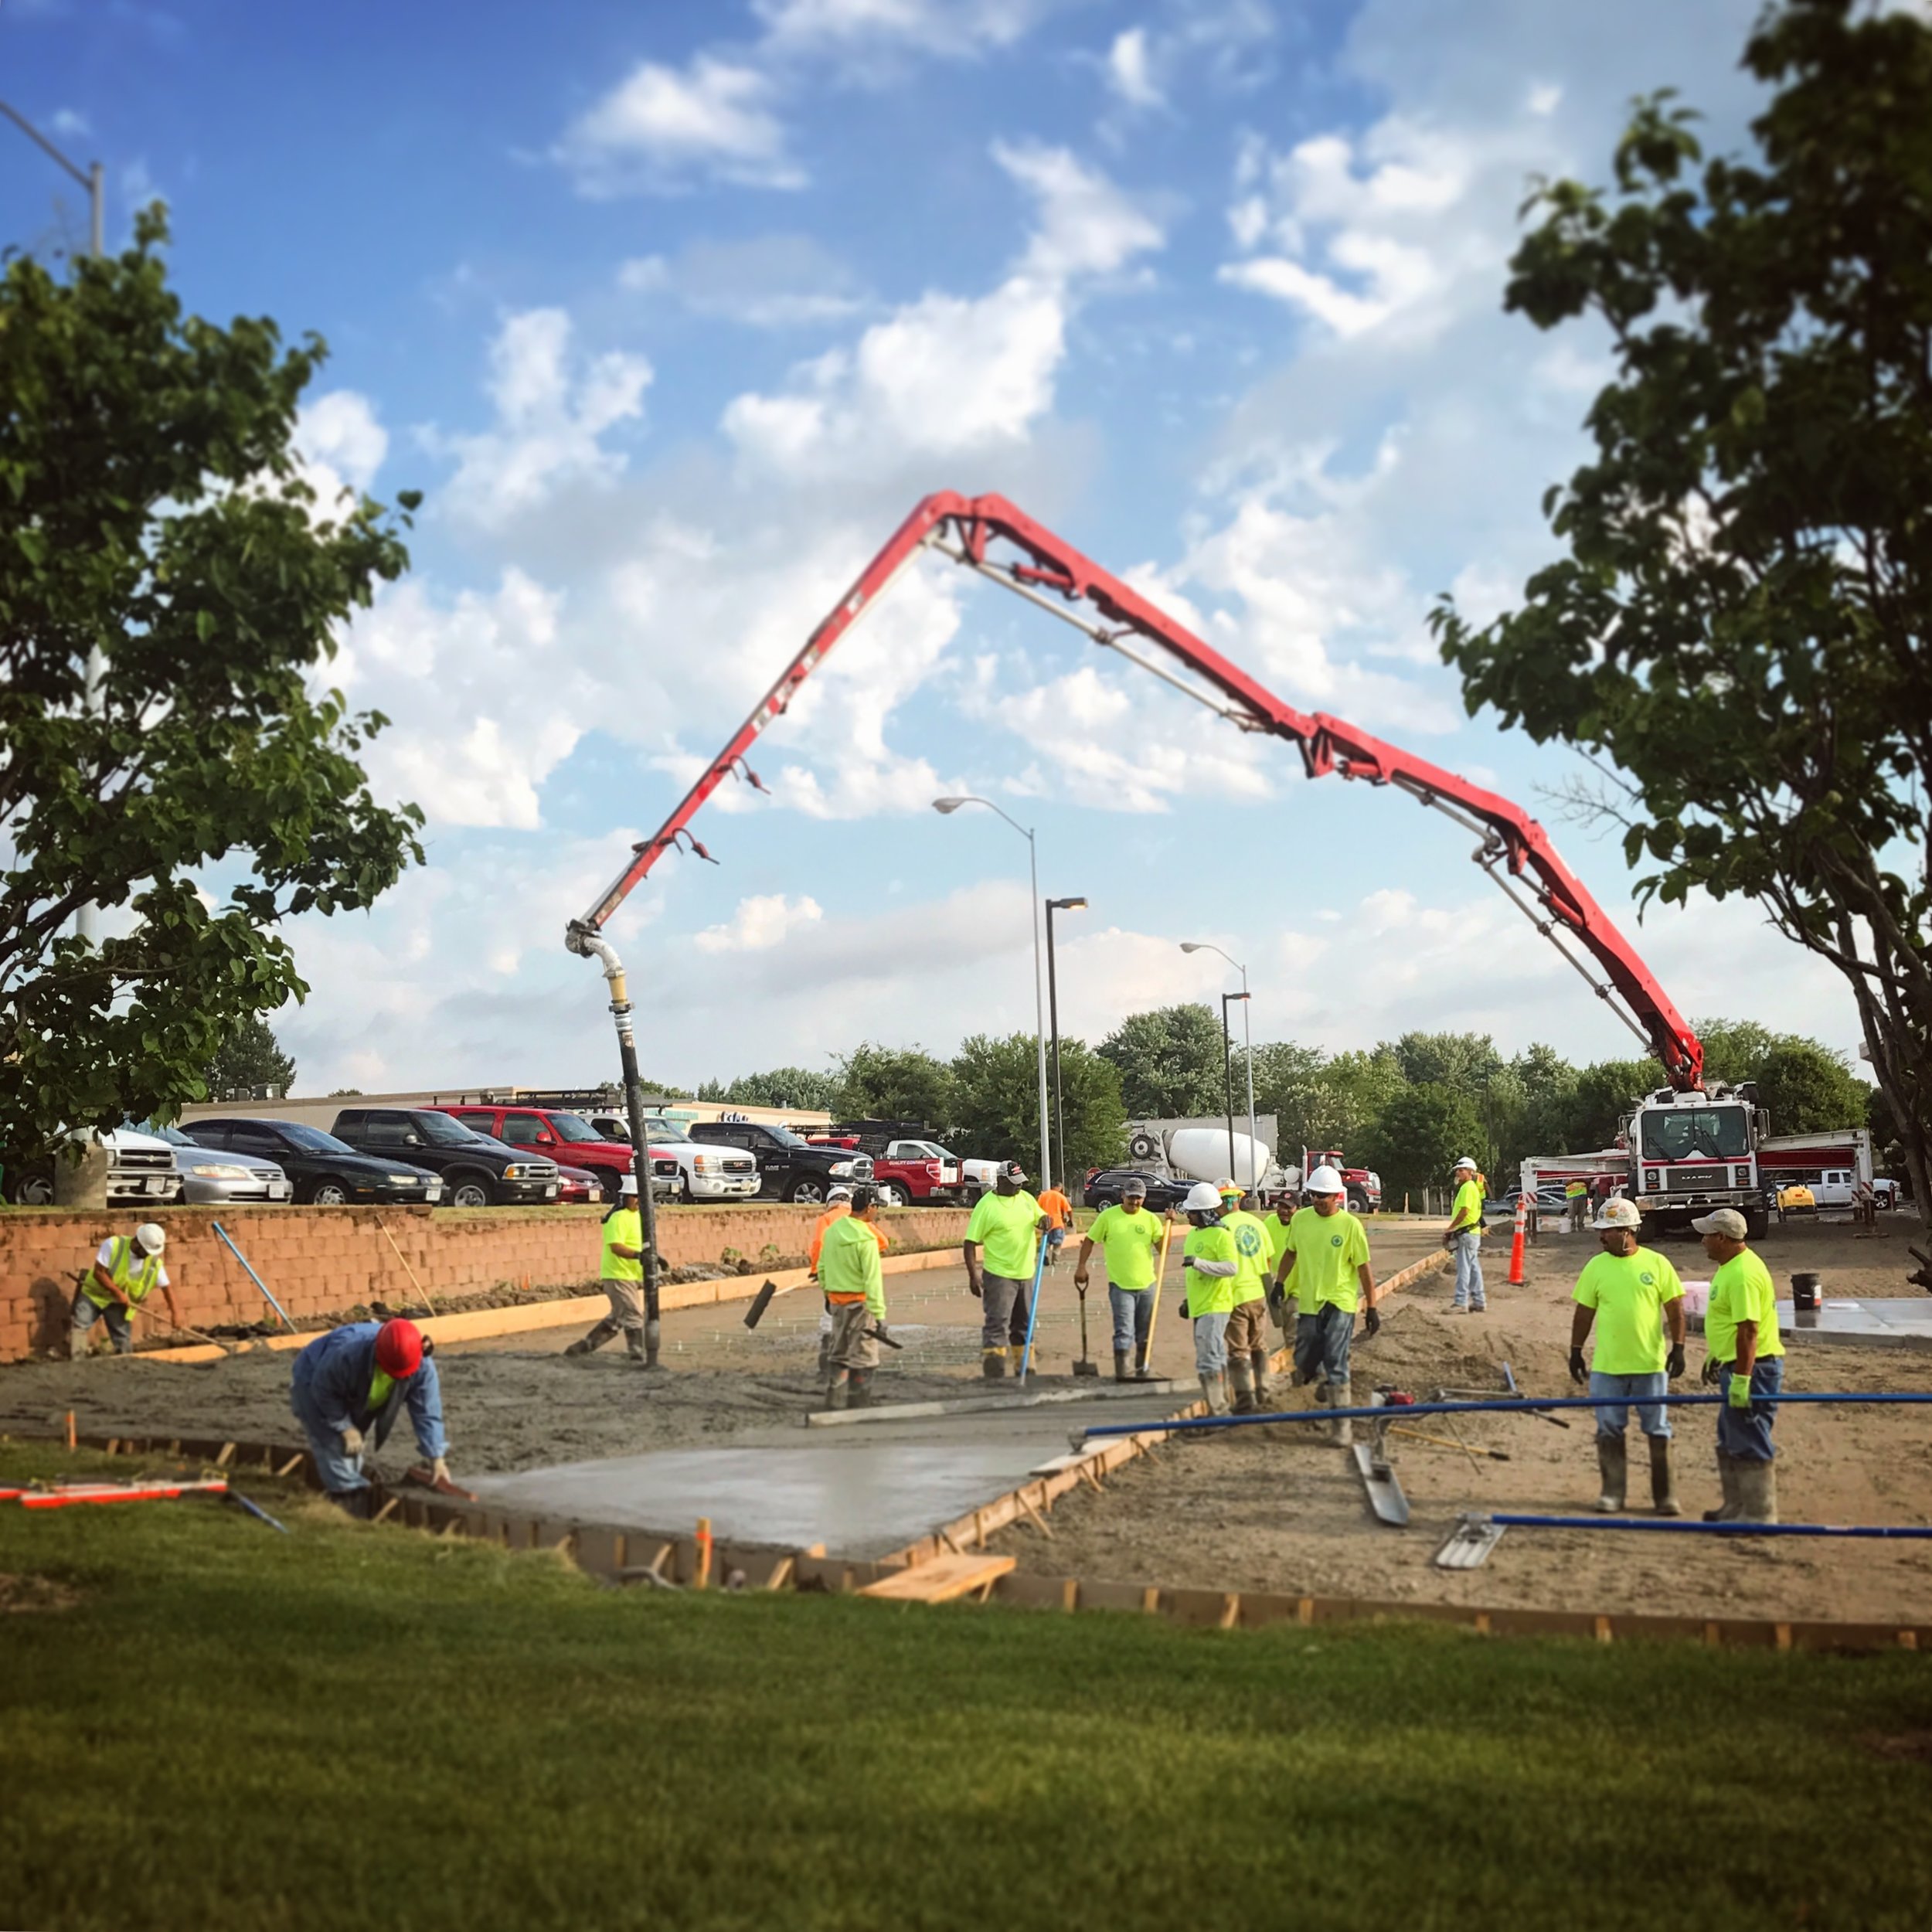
(1324, 1180)
(150, 1237)
(1618, 1212)
(841, 1192)
(628, 1185)
(1203, 1198)
(1465, 1161)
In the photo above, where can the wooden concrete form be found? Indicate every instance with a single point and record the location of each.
(943, 1580)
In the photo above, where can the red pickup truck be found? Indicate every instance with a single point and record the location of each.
(568, 1139)
(904, 1169)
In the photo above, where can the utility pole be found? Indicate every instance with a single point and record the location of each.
(1227, 1079)
(1053, 1012)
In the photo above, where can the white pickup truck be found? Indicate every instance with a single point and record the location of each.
(141, 1173)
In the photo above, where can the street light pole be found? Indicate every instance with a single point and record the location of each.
(1227, 1079)
(93, 179)
(947, 806)
(1248, 1039)
(1053, 1018)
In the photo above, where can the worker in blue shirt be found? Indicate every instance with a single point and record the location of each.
(349, 1386)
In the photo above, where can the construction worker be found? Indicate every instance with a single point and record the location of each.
(837, 1206)
(1577, 1201)
(855, 1286)
(1276, 1225)
(1745, 1359)
(1632, 1295)
(1461, 1237)
(1007, 1223)
(126, 1269)
(1129, 1238)
(348, 1388)
(1058, 1211)
(1247, 1333)
(1327, 1260)
(1209, 1263)
(622, 1275)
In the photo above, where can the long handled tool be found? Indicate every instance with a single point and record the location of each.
(1153, 1313)
(1083, 1367)
(407, 1269)
(228, 1241)
(1032, 1313)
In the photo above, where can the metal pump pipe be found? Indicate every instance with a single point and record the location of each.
(591, 945)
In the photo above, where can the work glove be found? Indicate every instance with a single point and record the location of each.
(352, 1442)
(1372, 1322)
(1713, 1371)
(1579, 1369)
(1278, 1301)
(1739, 1395)
(1674, 1363)
(879, 1333)
(1187, 1262)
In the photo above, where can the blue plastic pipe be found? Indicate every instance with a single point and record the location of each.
(252, 1275)
(1708, 1528)
(1518, 1405)
(1032, 1311)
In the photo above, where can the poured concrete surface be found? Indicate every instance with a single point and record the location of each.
(1884, 1324)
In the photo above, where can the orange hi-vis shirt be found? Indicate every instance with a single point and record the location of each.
(1057, 1208)
(837, 1212)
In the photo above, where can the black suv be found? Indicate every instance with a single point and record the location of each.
(1103, 1189)
(322, 1170)
(789, 1168)
(477, 1171)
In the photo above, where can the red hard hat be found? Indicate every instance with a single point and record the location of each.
(399, 1349)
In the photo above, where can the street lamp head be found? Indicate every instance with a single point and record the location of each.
(1190, 946)
(949, 804)
(1067, 905)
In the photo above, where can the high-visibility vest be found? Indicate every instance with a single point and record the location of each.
(137, 1284)
(623, 1227)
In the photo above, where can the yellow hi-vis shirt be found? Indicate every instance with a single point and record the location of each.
(625, 1229)
(848, 1268)
(1329, 1249)
(1210, 1293)
(1131, 1242)
(1276, 1228)
(1468, 1204)
(1250, 1255)
(1572, 1188)
(1741, 1290)
(136, 1276)
(1003, 1225)
(1628, 1292)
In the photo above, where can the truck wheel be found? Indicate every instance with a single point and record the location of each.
(1358, 1201)
(470, 1192)
(1758, 1224)
(684, 1191)
(806, 1192)
(892, 1195)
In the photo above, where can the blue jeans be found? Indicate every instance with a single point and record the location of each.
(1132, 1310)
(1322, 1344)
(1745, 1434)
(339, 1473)
(1652, 1417)
(87, 1313)
(1211, 1342)
(1469, 1270)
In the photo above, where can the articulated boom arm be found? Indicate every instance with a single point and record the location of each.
(988, 535)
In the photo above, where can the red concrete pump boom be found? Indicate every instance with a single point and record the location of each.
(988, 534)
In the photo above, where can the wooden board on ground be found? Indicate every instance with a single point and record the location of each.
(942, 1579)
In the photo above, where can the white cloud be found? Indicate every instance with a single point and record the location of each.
(759, 923)
(660, 126)
(69, 121)
(1084, 225)
(768, 281)
(1130, 71)
(552, 411)
(342, 445)
(947, 28)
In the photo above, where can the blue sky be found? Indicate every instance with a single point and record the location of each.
(675, 310)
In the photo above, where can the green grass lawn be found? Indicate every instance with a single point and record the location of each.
(224, 1727)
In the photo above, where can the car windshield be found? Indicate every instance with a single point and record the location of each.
(172, 1135)
(312, 1140)
(666, 1131)
(568, 1126)
(440, 1131)
(1695, 1133)
(785, 1138)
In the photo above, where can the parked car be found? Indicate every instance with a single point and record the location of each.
(566, 1137)
(789, 1168)
(324, 1172)
(577, 1186)
(903, 1171)
(1103, 1187)
(477, 1171)
(141, 1173)
(216, 1178)
(696, 1173)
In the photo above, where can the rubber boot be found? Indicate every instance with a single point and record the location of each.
(77, 1340)
(1726, 1511)
(1214, 1388)
(1241, 1379)
(1016, 1356)
(859, 1381)
(992, 1364)
(351, 1502)
(634, 1342)
(1613, 1462)
(1123, 1364)
(1258, 1361)
(1339, 1395)
(1663, 1497)
(1142, 1371)
(839, 1395)
(586, 1345)
(1757, 1491)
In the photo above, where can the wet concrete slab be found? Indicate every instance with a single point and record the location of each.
(860, 1492)
(1886, 1322)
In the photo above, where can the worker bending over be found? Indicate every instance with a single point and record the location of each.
(348, 1389)
(1130, 1238)
(1209, 1263)
(1007, 1223)
(1247, 1333)
(1746, 1362)
(126, 1271)
(855, 1286)
(1463, 1237)
(1632, 1294)
(622, 1275)
(1326, 1260)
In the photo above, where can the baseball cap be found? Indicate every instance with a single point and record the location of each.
(1725, 1221)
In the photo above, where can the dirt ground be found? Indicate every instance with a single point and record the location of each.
(1275, 1510)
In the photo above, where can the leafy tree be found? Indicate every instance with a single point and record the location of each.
(1605, 1093)
(1289, 1084)
(1808, 1088)
(797, 1086)
(996, 1103)
(1172, 1062)
(1358, 1086)
(152, 508)
(895, 1083)
(1468, 1060)
(1739, 626)
(250, 1064)
(344, 1093)
(1419, 1135)
(1734, 1050)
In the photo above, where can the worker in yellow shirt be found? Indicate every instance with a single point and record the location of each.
(1746, 1362)
(1632, 1296)
(1247, 1333)
(1208, 1266)
(622, 1278)
(855, 1286)
(1006, 1226)
(1058, 1211)
(837, 1206)
(1461, 1237)
(1577, 1202)
(1326, 1260)
(1129, 1237)
(1275, 1225)
(126, 1271)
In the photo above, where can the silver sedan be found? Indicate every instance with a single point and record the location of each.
(215, 1177)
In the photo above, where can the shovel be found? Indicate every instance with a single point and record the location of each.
(1083, 1367)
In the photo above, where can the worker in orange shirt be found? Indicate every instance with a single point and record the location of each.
(1058, 1211)
(838, 1205)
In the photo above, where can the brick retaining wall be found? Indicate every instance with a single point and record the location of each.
(320, 1261)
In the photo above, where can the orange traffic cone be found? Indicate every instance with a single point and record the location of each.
(1515, 1244)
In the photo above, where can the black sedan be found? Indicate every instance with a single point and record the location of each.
(326, 1173)
(1103, 1189)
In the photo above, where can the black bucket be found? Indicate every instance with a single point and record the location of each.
(1804, 1292)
